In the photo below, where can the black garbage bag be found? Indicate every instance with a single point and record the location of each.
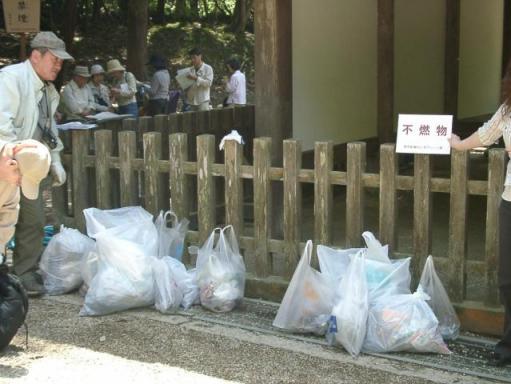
(13, 305)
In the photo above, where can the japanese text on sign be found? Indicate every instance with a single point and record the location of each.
(22, 15)
(426, 134)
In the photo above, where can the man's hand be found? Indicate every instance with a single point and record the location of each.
(9, 170)
(192, 77)
(58, 174)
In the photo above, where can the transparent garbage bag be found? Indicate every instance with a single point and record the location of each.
(185, 281)
(171, 240)
(124, 278)
(98, 220)
(61, 260)
(308, 300)
(334, 263)
(167, 294)
(220, 272)
(403, 323)
(449, 323)
(88, 269)
(375, 251)
(387, 278)
(349, 314)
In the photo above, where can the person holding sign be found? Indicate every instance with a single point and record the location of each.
(495, 128)
(28, 101)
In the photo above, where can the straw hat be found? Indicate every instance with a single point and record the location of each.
(114, 65)
(96, 69)
(82, 71)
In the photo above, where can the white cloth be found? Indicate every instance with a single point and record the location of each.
(20, 92)
(198, 93)
(100, 92)
(236, 89)
(160, 84)
(499, 126)
(76, 100)
(234, 135)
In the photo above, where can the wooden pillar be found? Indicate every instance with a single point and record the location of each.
(273, 72)
(506, 36)
(385, 31)
(452, 53)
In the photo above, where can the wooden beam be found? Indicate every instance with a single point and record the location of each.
(385, 33)
(452, 52)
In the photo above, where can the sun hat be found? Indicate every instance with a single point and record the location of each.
(114, 65)
(96, 69)
(81, 70)
(56, 46)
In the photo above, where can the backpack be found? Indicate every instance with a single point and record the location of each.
(13, 305)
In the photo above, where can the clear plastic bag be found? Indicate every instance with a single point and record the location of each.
(185, 281)
(221, 272)
(88, 269)
(334, 263)
(61, 260)
(171, 240)
(124, 279)
(349, 314)
(167, 294)
(308, 300)
(403, 323)
(449, 323)
(98, 220)
(387, 278)
(375, 251)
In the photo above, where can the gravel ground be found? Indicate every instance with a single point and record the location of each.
(144, 346)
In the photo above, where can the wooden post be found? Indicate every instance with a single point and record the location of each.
(385, 72)
(127, 152)
(233, 186)
(422, 209)
(103, 140)
(206, 185)
(388, 195)
(174, 123)
(356, 164)
(323, 193)
(292, 203)
(452, 53)
(152, 156)
(80, 140)
(496, 175)
(457, 225)
(262, 206)
(178, 153)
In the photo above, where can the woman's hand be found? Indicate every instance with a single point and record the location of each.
(9, 170)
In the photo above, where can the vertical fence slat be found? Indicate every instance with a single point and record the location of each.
(152, 155)
(206, 185)
(292, 203)
(103, 144)
(262, 205)
(127, 152)
(457, 224)
(161, 125)
(323, 193)
(178, 153)
(80, 140)
(496, 174)
(388, 195)
(174, 123)
(422, 206)
(233, 186)
(356, 164)
(143, 125)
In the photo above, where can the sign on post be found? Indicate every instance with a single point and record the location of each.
(426, 134)
(22, 15)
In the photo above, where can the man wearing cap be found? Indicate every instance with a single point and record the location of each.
(197, 94)
(123, 87)
(100, 92)
(76, 99)
(28, 101)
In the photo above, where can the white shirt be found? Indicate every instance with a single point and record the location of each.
(76, 100)
(236, 89)
(198, 93)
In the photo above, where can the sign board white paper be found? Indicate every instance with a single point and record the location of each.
(22, 15)
(425, 134)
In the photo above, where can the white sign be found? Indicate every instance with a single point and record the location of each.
(22, 15)
(425, 134)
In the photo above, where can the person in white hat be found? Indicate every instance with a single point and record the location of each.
(76, 100)
(100, 91)
(123, 87)
(28, 101)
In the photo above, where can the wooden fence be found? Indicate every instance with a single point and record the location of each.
(127, 174)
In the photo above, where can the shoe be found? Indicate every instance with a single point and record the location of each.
(31, 284)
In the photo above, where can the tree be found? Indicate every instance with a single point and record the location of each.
(69, 23)
(137, 37)
(240, 16)
(160, 12)
(181, 11)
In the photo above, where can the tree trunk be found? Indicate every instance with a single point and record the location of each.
(181, 12)
(160, 12)
(96, 8)
(137, 37)
(194, 9)
(240, 16)
(70, 22)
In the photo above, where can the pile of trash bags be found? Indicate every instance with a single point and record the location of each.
(128, 261)
(361, 299)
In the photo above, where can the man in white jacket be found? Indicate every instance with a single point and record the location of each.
(197, 95)
(28, 101)
(76, 100)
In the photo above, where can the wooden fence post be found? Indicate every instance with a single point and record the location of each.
(127, 152)
(323, 193)
(80, 142)
(152, 156)
(206, 185)
(178, 153)
(233, 186)
(388, 196)
(262, 206)
(422, 208)
(292, 203)
(356, 165)
(103, 141)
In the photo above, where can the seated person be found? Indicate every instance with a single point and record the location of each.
(160, 83)
(100, 92)
(76, 100)
(235, 85)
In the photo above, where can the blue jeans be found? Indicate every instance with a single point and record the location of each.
(129, 109)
